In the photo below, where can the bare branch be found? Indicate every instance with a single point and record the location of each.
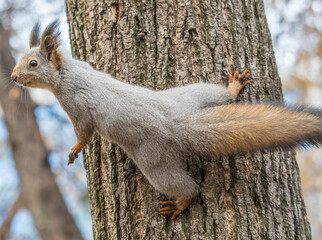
(5, 227)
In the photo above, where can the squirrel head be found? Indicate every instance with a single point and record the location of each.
(40, 66)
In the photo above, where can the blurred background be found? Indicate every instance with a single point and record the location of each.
(296, 28)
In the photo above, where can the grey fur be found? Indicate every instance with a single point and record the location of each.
(157, 129)
(140, 120)
(148, 125)
(160, 129)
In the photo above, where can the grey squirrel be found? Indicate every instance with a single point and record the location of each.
(160, 129)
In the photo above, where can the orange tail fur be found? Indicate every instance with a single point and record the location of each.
(230, 129)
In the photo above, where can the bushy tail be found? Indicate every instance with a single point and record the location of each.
(230, 129)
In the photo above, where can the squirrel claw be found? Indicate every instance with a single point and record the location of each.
(167, 208)
(74, 153)
(236, 84)
(175, 214)
(170, 209)
(166, 212)
(244, 76)
(72, 156)
(174, 207)
(172, 203)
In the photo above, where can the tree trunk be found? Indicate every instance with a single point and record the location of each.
(39, 192)
(161, 44)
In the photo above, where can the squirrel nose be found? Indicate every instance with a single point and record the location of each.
(14, 77)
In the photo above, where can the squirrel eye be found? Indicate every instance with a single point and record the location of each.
(33, 63)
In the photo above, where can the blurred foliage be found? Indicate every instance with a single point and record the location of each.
(296, 27)
(18, 17)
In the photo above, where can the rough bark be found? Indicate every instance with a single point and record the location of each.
(38, 190)
(160, 44)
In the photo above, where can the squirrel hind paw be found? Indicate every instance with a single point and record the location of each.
(170, 209)
(175, 207)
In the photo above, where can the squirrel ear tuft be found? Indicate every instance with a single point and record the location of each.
(49, 44)
(49, 40)
(34, 36)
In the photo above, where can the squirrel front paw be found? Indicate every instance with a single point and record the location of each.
(236, 83)
(74, 153)
(72, 156)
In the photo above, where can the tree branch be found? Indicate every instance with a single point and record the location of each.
(5, 227)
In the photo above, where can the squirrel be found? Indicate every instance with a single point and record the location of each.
(160, 129)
